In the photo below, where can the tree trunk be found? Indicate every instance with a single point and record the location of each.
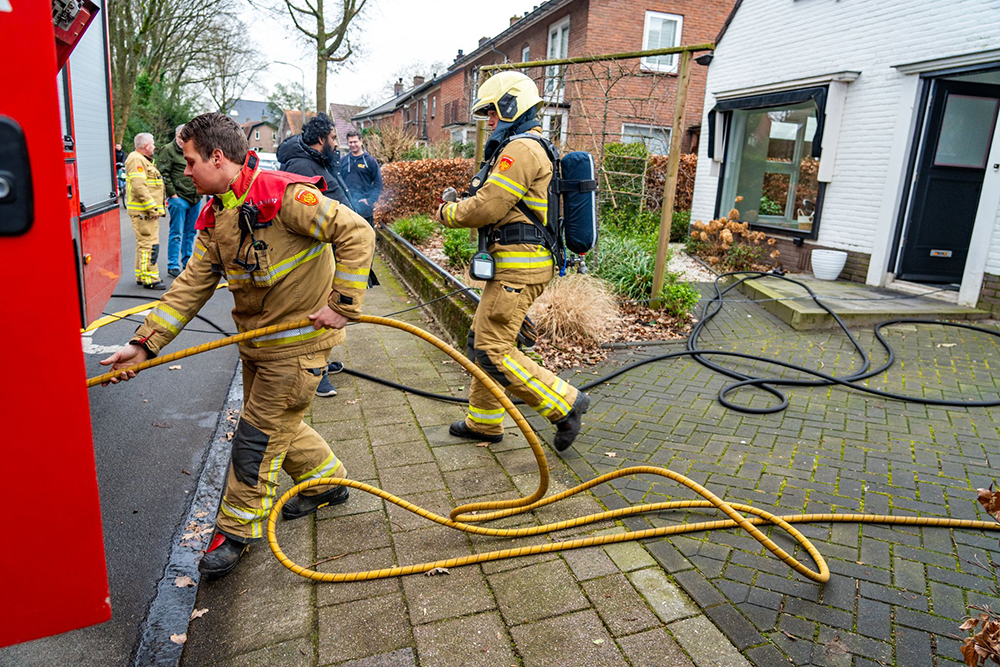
(321, 65)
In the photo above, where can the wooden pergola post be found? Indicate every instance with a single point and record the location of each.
(670, 183)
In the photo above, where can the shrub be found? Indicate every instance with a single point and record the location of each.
(678, 298)
(575, 306)
(627, 263)
(770, 207)
(679, 226)
(388, 143)
(730, 245)
(413, 188)
(458, 247)
(416, 229)
(458, 149)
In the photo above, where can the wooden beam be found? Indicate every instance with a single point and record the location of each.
(709, 46)
(670, 183)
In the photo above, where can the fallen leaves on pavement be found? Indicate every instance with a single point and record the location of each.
(179, 639)
(183, 582)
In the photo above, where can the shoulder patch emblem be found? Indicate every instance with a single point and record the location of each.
(139, 168)
(306, 197)
(506, 162)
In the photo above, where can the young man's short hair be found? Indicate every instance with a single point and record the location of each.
(317, 129)
(212, 131)
(353, 133)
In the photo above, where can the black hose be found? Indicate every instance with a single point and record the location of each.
(712, 308)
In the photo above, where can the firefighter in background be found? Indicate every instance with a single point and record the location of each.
(268, 234)
(144, 202)
(518, 171)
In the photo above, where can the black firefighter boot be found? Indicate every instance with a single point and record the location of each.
(222, 555)
(302, 505)
(460, 429)
(568, 427)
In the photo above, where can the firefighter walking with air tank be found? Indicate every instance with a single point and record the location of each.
(509, 207)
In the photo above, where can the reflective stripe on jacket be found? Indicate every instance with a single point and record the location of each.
(144, 185)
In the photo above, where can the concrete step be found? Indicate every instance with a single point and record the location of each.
(855, 303)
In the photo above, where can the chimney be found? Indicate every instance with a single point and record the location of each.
(460, 55)
(417, 80)
(483, 40)
(514, 19)
(397, 87)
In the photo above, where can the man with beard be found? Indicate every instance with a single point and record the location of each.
(314, 153)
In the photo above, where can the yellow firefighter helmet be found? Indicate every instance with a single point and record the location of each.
(510, 94)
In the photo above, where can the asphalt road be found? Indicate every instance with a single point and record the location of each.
(150, 438)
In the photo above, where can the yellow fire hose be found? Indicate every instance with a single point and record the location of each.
(462, 517)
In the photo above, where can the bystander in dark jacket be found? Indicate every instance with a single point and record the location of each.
(314, 153)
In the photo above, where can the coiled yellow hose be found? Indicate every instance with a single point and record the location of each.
(462, 517)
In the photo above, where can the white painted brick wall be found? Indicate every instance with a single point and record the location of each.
(778, 40)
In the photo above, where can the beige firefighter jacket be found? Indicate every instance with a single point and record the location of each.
(144, 186)
(296, 276)
(521, 172)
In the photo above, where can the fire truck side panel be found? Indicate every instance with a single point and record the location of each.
(97, 234)
(54, 571)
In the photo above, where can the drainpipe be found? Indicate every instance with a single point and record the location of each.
(494, 50)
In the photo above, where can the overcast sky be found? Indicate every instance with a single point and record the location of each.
(393, 34)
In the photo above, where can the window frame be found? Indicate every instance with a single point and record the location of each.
(555, 71)
(547, 115)
(666, 130)
(649, 64)
(761, 102)
(526, 53)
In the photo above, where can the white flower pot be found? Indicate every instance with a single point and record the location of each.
(827, 264)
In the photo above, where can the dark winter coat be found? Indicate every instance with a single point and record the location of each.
(171, 164)
(364, 179)
(296, 157)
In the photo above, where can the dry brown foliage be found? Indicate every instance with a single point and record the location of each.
(575, 307)
(389, 143)
(411, 188)
(716, 239)
(657, 174)
(983, 646)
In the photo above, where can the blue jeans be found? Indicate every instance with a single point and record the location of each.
(180, 242)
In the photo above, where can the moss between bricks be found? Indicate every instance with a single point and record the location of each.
(453, 314)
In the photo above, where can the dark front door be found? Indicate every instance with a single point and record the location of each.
(950, 171)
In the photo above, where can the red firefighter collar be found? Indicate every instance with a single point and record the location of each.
(264, 189)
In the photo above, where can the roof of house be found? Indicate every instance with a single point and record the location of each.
(389, 106)
(244, 110)
(524, 22)
(341, 115)
(292, 119)
(249, 126)
(729, 19)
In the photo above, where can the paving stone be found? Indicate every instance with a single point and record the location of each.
(734, 626)
(294, 653)
(363, 628)
(402, 520)
(566, 641)
(480, 639)
(588, 563)
(432, 598)
(351, 533)
(536, 591)
(653, 648)
(402, 454)
(666, 599)
(411, 479)
(463, 456)
(705, 644)
(402, 658)
(628, 556)
(374, 559)
(619, 605)
(477, 482)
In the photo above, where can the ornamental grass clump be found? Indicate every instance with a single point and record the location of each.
(575, 307)
(730, 245)
(417, 229)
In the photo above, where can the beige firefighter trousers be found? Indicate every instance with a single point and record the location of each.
(492, 345)
(271, 436)
(147, 246)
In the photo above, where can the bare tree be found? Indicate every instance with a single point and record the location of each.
(328, 34)
(230, 68)
(178, 44)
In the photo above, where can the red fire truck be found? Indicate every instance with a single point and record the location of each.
(59, 242)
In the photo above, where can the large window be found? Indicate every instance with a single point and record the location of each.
(656, 139)
(554, 125)
(555, 84)
(662, 31)
(772, 165)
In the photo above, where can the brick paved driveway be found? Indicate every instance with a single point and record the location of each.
(896, 595)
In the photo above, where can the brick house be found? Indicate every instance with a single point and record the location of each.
(439, 109)
(262, 136)
(879, 137)
(341, 115)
